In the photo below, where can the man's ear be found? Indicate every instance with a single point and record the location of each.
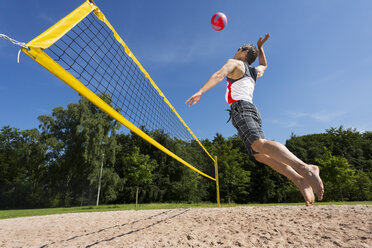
(246, 54)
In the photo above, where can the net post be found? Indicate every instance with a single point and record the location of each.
(217, 182)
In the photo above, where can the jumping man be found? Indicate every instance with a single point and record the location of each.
(241, 78)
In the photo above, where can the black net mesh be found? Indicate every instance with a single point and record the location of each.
(91, 54)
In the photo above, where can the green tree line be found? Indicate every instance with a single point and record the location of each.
(60, 164)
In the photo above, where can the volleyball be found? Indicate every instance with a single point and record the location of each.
(219, 21)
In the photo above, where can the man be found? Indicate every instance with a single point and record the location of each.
(246, 119)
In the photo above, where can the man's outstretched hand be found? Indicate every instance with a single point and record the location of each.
(261, 41)
(194, 99)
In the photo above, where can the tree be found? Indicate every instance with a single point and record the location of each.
(12, 170)
(76, 138)
(232, 175)
(337, 175)
(139, 169)
(34, 160)
(363, 186)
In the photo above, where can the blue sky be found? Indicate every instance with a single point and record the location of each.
(319, 60)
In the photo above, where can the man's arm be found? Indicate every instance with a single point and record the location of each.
(217, 77)
(261, 56)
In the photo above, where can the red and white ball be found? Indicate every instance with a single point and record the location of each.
(219, 21)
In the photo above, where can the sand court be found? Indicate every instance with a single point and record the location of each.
(277, 226)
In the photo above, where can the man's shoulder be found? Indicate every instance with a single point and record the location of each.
(239, 68)
(235, 61)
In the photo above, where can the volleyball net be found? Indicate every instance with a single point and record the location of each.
(85, 52)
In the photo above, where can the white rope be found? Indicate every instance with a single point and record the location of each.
(14, 41)
(21, 44)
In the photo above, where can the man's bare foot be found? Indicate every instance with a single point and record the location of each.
(306, 191)
(313, 178)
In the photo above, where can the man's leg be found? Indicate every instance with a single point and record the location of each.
(291, 174)
(281, 154)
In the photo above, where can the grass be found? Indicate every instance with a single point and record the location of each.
(6, 214)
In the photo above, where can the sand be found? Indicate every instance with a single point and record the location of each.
(277, 226)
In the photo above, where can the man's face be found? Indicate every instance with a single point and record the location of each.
(241, 53)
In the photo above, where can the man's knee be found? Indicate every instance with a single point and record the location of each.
(260, 157)
(258, 144)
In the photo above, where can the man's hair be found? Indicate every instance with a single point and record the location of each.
(252, 53)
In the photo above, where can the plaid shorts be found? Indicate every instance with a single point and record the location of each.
(247, 120)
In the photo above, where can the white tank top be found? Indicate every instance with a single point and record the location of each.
(242, 88)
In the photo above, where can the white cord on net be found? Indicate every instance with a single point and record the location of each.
(21, 44)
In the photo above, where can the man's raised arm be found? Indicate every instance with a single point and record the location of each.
(261, 56)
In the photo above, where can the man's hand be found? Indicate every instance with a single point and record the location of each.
(194, 99)
(261, 41)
